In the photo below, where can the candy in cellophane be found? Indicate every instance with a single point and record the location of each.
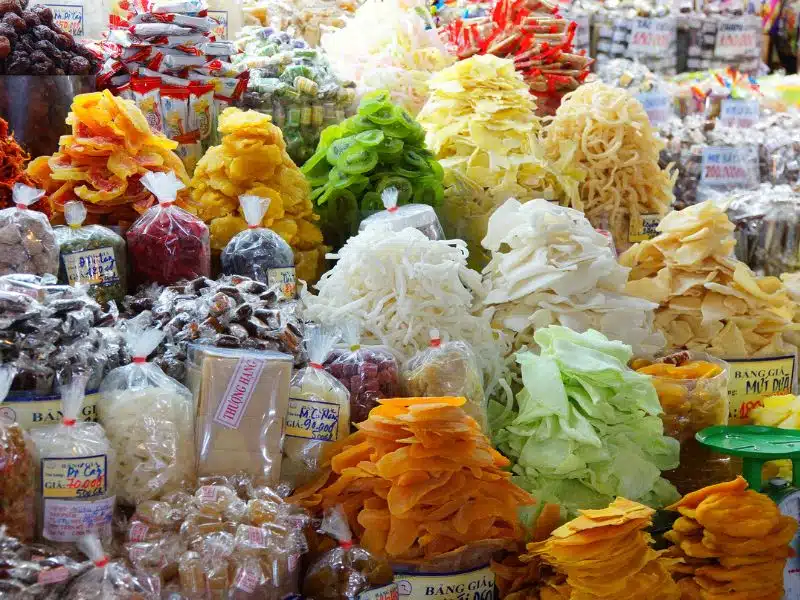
(27, 243)
(167, 244)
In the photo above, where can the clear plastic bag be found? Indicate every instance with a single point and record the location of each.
(148, 417)
(167, 244)
(447, 369)
(346, 571)
(368, 372)
(260, 253)
(77, 466)
(17, 484)
(107, 580)
(91, 255)
(27, 243)
(397, 218)
(318, 414)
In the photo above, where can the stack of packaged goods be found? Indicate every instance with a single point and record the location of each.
(717, 36)
(164, 56)
(310, 19)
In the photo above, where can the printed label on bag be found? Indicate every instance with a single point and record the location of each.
(651, 37)
(243, 383)
(92, 267)
(248, 578)
(68, 18)
(51, 576)
(387, 592)
(78, 477)
(138, 532)
(312, 420)
(220, 30)
(31, 410)
(739, 113)
(752, 379)
(644, 228)
(475, 585)
(658, 106)
(728, 166)
(67, 520)
(285, 280)
(735, 39)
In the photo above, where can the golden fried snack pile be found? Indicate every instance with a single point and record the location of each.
(419, 480)
(252, 160)
(605, 554)
(731, 542)
(709, 301)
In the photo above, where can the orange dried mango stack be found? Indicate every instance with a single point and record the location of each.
(111, 146)
(605, 554)
(730, 542)
(252, 160)
(419, 479)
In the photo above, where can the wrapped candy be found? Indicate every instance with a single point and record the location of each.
(17, 487)
(348, 570)
(148, 417)
(107, 580)
(318, 414)
(260, 253)
(168, 244)
(77, 465)
(447, 369)
(91, 255)
(419, 216)
(27, 243)
(368, 372)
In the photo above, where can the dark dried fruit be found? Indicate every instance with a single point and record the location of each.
(8, 32)
(10, 6)
(42, 32)
(5, 47)
(64, 41)
(44, 13)
(37, 56)
(15, 21)
(79, 66)
(19, 66)
(31, 18)
(41, 68)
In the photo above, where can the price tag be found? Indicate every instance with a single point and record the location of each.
(475, 585)
(750, 380)
(68, 18)
(657, 105)
(651, 37)
(739, 113)
(735, 39)
(643, 228)
(727, 166)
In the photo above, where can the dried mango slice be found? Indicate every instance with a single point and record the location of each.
(753, 514)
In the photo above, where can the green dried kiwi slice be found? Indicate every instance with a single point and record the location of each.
(316, 166)
(373, 101)
(338, 147)
(438, 170)
(357, 159)
(329, 135)
(385, 115)
(318, 192)
(371, 201)
(371, 137)
(405, 190)
(428, 190)
(390, 149)
(340, 180)
(357, 124)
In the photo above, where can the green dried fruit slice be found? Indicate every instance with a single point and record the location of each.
(338, 147)
(405, 190)
(371, 137)
(357, 159)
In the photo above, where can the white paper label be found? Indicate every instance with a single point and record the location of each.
(651, 37)
(735, 39)
(387, 592)
(658, 106)
(739, 113)
(92, 267)
(243, 383)
(68, 18)
(67, 520)
(138, 531)
(475, 585)
(247, 580)
(727, 166)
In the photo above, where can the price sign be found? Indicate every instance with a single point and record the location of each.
(735, 39)
(658, 106)
(739, 113)
(729, 167)
(651, 37)
(69, 18)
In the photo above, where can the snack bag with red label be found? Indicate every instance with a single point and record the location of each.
(347, 571)
(167, 244)
(148, 417)
(260, 253)
(107, 580)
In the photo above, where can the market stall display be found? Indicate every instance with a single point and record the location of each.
(103, 160)
(549, 266)
(585, 428)
(12, 166)
(310, 19)
(27, 242)
(650, 40)
(252, 161)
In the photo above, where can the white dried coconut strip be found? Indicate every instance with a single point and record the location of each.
(399, 286)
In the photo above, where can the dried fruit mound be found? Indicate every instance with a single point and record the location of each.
(730, 542)
(252, 160)
(102, 161)
(419, 480)
(12, 170)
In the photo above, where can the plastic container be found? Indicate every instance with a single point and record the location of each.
(167, 244)
(397, 218)
(149, 419)
(91, 255)
(260, 253)
(27, 242)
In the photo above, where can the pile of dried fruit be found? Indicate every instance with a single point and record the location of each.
(419, 480)
(731, 542)
(102, 161)
(12, 167)
(252, 160)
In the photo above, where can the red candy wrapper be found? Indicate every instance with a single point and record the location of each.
(167, 244)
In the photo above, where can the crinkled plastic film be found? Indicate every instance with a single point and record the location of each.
(395, 218)
(17, 484)
(27, 243)
(107, 579)
(148, 417)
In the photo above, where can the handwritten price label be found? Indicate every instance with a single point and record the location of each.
(735, 39)
(750, 380)
(69, 18)
(651, 37)
(728, 166)
(658, 106)
(313, 420)
(79, 477)
(739, 113)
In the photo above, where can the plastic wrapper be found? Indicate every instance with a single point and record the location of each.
(107, 579)
(368, 372)
(447, 369)
(318, 414)
(621, 37)
(309, 19)
(167, 244)
(77, 467)
(348, 570)
(704, 42)
(693, 391)
(260, 253)
(27, 243)
(17, 485)
(395, 218)
(91, 255)
(149, 420)
(241, 398)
